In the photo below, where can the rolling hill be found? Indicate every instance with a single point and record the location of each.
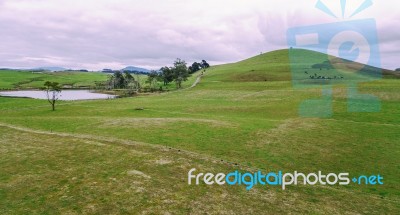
(275, 66)
(135, 69)
(109, 157)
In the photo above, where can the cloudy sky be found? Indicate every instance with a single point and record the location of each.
(97, 34)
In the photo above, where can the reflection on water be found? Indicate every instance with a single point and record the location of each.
(66, 95)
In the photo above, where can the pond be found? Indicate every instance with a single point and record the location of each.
(66, 95)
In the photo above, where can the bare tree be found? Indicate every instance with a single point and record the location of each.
(53, 90)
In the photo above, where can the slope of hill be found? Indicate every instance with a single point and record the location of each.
(275, 66)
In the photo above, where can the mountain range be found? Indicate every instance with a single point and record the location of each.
(135, 69)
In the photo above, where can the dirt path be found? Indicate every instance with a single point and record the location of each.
(198, 79)
(110, 140)
(196, 82)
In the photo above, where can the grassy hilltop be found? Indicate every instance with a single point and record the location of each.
(106, 157)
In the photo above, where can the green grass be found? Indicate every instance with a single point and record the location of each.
(66, 161)
(10, 79)
(17, 80)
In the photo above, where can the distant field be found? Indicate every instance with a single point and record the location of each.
(106, 157)
(22, 80)
(11, 79)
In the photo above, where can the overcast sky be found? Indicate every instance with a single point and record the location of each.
(97, 34)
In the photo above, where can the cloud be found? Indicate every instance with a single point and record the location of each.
(97, 34)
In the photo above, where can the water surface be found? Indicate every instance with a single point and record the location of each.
(65, 95)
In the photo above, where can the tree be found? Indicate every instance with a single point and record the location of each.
(204, 64)
(119, 80)
(195, 67)
(53, 90)
(180, 72)
(138, 83)
(152, 79)
(166, 75)
(198, 66)
(128, 77)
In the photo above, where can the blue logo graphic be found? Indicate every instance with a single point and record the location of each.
(322, 6)
(351, 57)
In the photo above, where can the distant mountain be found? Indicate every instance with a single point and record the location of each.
(107, 71)
(76, 70)
(135, 69)
(51, 68)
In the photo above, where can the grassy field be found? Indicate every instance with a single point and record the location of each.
(10, 79)
(20, 80)
(106, 157)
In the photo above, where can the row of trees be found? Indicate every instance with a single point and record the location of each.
(198, 66)
(179, 73)
(123, 80)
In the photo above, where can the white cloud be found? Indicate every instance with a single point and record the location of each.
(96, 34)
